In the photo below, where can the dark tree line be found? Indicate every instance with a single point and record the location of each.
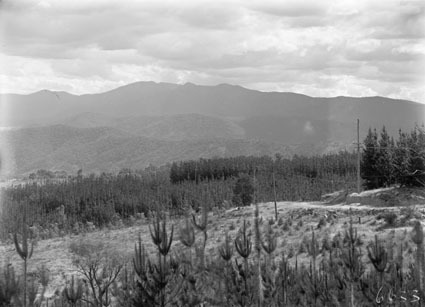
(102, 199)
(342, 164)
(386, 161)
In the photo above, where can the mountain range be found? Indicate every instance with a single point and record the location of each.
(154, 123)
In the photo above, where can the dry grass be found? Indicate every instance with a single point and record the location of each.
(57, 256)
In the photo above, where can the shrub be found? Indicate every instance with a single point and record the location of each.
(408, 213)
(322, 222)
(390, 218)
(326, 244)
(100, 272)
(286, 226)
(337, 241)
(291, 252)
(243, 191)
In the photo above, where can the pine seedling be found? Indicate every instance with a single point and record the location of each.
(244, 247)
(311, 283)
(165, 247)
(257, 230)
(269, 244)
(418, 239)
(160, 236)
(270, 279)
(155, 234)
(146, 287)
(202, 226)
(288, 284)
(226, 249)
(325, 291)
(44, 277)
(226, 253)
(32, 291)
(258, 255)
(123, 292)
(202, 223)
(313, 247)
(399, 275)
(140, 258)
(187, 237)
(370, 289)
(73, 293)
(25, 251)
(154, 278)
(9, 286)
(379, 258)
(284, 271)
(351, 236)
(352, 261)
(354, 269)
(326, 244)
(243, 242)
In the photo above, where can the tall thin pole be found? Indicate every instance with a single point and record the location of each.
(358, 155)
(274, 193)
(255, 190)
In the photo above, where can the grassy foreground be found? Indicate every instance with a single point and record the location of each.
(314, 254)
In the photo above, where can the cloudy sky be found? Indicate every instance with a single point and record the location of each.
(319, 48)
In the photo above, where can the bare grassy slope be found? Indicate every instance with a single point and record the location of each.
(297, 220)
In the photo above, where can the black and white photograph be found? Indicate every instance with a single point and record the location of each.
(209, 153)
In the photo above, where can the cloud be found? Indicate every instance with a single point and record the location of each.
(290, 8)
(321, 48)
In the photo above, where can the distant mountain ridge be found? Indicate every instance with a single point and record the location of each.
(164, 99)
(147, 122)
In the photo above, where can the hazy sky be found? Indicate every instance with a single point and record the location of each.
(319, 48)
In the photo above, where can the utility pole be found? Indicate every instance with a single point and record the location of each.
(274, 193)
(358, 155)
(255, 190)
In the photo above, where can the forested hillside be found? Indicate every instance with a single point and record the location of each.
(105, 149)
(186, 185)
(148, 123)
(310, 255)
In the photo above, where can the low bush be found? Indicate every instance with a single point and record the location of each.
(389, 217)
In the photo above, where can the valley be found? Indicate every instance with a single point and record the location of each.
(147, 123)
